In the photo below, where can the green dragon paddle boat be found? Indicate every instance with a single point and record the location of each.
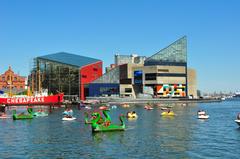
(101, 120)
(22, 115)
(87, 121)
(106, 125)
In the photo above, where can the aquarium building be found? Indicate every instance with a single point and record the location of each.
(64, 72)
(164, 74)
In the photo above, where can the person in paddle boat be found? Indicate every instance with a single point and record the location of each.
(2, 114)
(131, 114)
(238, 116)
(201, 112)
(2, 110)
(69, 113)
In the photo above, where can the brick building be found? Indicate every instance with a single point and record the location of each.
(11, 82)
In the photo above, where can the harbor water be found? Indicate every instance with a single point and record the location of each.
(149, 136)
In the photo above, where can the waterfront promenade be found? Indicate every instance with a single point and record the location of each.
(117, 100)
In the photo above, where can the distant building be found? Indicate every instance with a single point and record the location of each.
(192, 83)
(164, 74)
(132, 59)
(11, 82)
(64, 72)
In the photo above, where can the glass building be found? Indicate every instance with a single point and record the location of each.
(64, 72)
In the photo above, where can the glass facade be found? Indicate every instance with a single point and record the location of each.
(103, 89)
(174, 54)
(55, 77)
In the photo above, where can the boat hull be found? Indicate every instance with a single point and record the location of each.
(68, 119)
(203, 116)
(40, 114)
(22, 117)
(238, 122)
(102, 128)
(167, 114)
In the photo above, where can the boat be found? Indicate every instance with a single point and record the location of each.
(40, 114)
(237, 121)
(102, 120)
(103, 107)
(32, 100)
(86, 120)
(4, 116)
(68, 118)
(236, 94)
(125, 105)
(203, 116)
(164, 108)
(201, 112)
(114, 107)
(168, 113)
(22, 115)
(132, 115)
(107, 125)
(148, 107)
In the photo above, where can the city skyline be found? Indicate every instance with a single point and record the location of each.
(102, 29)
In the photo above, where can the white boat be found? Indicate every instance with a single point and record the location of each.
(203, 116)
(5, 117)
(68, 118)
(201, 113)
(238, 122)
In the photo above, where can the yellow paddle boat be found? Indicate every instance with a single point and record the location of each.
(168, 113)
(132, 114)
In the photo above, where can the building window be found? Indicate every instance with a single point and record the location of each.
(150, 76)
(108, 90)
(163, 70)
(138, 77)
(128, 90)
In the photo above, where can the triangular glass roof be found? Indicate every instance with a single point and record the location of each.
(174, 53)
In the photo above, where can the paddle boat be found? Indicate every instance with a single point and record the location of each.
(202, 114)
(238, 122)
(86, 120)
(132, 115)
(114, 107)
(168, 113)
(68, 115)
(102, 120)
(238, 119)
(22, 115)
(147, 107)
(103, 107)
(68, 118)
(125, 105)
(4, 116)
(107, 125)
(39, 113)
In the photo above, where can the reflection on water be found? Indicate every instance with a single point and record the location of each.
(149, 136)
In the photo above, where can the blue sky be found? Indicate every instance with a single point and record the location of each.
(102, 28)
